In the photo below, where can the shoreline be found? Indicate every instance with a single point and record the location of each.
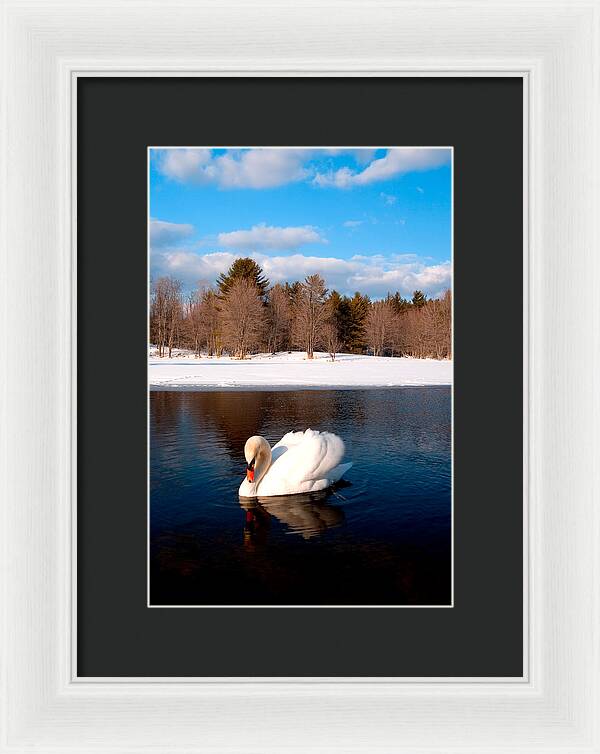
(293, 371)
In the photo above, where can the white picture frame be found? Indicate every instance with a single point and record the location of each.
(554, 46)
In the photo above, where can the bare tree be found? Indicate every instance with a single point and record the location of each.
(380, 325)
(203, 320)
(440, 327)
(242, 316)
(446, 323)
(414, 340)
(166, 314)
(158, 314)
(331, 338)
(210, 322)
(425, 331)
(192, 317)
(311, 314)
(174, 313)
(279, 315)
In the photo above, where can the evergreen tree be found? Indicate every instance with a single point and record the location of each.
(339, 307)
(243, 268)
(419, 299)
(358, 309)
(398, 303)
(294, 291)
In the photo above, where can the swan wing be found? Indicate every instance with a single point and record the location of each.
(303, 462)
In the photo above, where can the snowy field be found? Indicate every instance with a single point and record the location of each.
(293, 370)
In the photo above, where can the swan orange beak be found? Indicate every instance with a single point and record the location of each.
(250, 475)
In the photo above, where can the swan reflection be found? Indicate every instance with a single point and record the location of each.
(308, 515)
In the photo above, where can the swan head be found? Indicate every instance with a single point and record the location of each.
(257, 451)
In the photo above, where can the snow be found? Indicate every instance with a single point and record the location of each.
(292, 370)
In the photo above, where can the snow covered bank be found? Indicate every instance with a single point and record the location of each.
(293, 370)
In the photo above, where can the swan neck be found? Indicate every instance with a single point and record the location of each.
(263, 461)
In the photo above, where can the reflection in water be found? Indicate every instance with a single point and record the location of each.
(307, 515)
(236, 416)
(385, 538)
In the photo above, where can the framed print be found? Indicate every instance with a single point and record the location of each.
(299, 409)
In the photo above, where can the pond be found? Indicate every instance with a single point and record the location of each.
(381, 537)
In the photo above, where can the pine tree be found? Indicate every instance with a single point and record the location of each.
(339, 308)
(399, 303)
(243, 268)
(294, 291)
(419, 299)
(358, 309)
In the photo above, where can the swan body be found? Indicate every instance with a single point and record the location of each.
(300, 462)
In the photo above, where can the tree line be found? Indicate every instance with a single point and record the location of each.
(244, 314)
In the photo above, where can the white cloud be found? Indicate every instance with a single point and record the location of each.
(362, 155)
(168, 234)
(261, 168)
(236, 168)
(353, 223)
(388, 198)
(190, 267)
(193, 165)
(406, 278)
(268, 237)
(269, 168)
(375, 275)
(395, 162)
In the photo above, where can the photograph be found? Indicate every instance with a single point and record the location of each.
(300, 376)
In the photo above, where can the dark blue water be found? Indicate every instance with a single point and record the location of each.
(383, 537)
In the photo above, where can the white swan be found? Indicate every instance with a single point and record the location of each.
(300, 462)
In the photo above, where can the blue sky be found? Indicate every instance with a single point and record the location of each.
(374, 220)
